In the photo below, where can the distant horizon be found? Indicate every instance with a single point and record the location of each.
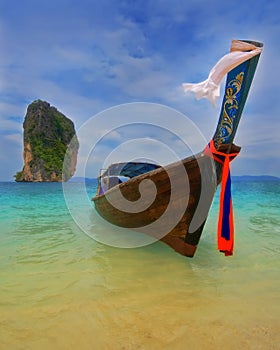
(95, 178)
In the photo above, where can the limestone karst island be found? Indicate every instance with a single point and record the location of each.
(50, 145)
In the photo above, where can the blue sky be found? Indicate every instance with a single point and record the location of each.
(87, 56)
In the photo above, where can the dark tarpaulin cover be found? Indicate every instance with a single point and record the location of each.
(130, 169)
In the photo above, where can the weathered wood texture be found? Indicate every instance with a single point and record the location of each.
(197, 168)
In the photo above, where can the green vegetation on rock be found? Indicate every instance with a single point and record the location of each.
(47, 137)
(18, 176)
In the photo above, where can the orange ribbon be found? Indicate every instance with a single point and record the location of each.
(225, 233)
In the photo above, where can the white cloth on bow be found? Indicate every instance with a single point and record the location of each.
(210, 88)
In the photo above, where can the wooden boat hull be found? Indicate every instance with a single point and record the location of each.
(203, 175)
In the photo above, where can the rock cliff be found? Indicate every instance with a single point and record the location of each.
(50, 145)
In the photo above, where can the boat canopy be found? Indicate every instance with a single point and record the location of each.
(130, 169)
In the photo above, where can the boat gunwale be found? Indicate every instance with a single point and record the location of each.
(138, 178)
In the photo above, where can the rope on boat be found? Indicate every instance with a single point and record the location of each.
(225, 232)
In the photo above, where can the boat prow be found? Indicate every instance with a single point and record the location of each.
(171, 203)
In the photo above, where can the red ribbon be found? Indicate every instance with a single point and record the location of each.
(225, 234)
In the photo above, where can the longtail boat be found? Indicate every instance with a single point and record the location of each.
(173, 217)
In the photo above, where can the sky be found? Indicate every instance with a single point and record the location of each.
(86, 57)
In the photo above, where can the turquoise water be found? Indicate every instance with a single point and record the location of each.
(61, 289)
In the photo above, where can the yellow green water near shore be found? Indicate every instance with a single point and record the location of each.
(59, 289)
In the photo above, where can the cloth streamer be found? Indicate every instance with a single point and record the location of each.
(225, 232)
(210, 88)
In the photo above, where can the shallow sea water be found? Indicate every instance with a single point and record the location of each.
(60, 289)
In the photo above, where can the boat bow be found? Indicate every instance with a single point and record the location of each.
(204, 170)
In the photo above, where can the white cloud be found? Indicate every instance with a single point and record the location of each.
(7, 125)
(16, 138)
